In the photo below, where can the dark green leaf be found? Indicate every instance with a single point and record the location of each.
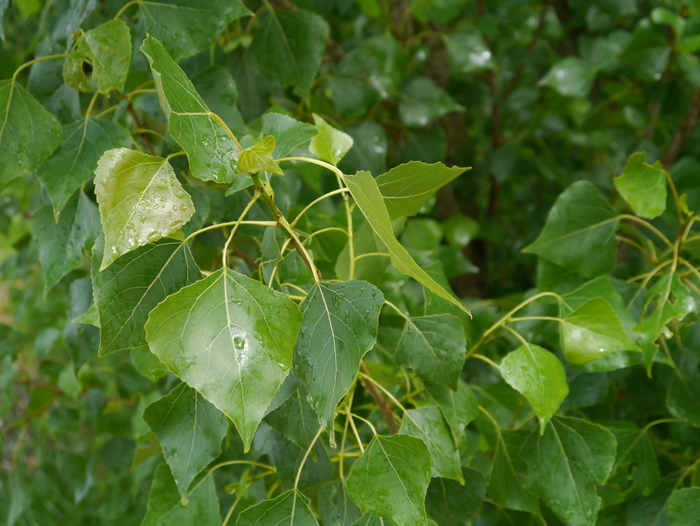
(82, 339)
(467, 52)
(370, 145)
(126, 291)
(218, 89)
(287, 458)
(335, 506)
(391, 479)
(648, 52)
(295, 420)
(505, 484)
(28, 133)
(190, 430)
(684, 507)
(339, 326)
(291, 508)
(288, 133)
(211, 151)
(75, 161)
(683, 396)
(140, 201)
(635, 457)
(453, 504)
(643, 186)
(231, 338)
(458, 407)
(107, 48)
(424, 103)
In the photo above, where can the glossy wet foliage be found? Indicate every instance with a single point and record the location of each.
(349, 262)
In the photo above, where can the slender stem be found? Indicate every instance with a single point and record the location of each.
(493, 420)
(306, 455)
(648, 226)
(292, 285)
(371, 385)
(636, 245)
(226, 129)
(324, 230)
(516, 334)
(371, 426)
(230, 511)
(126, 6)
(27, 64)
(91, 105)
(533, 318)
(351, 234)
(326, 165)
(372, 254)
(487, 360)
(386, 302)
(235, 227)
(176, 154)
(398, 404)
(354, 430)
(315, 201)
(105, 112)
(246, 462)
(230, 223)
(677, 200)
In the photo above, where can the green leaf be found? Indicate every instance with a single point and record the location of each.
(571, 77)
(428, 424)
(286, 457)
(148, 364)
(164, 507)
(258, 158)
(435, 347)
(366, 193)
(295, 420)
(126, 291)
(648, 52)
(288, 133)
(684, 507)
(683, 396)
(107, 48)
(636, 459)
(592, 331)
(140, 201)
(407, 187)
(467, 53)
(190, 430)
(291, 508)
(82, 339)
(212, 153)
(453, 504)
(539, 375)
(566, 464)
(216, 86)
(505, 484)
(287, 47)
(580, 232)
(643, 186)
(335, 506)
(339, 326)
(391, 479)
(62, 245)
(329, 144)
(75, 161)
(28, 133)
(369, 151)
(231, 339)
(188, 26)
(424, 103)
(458, 407)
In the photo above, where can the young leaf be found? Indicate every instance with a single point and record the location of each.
(329, 144)
(190, 430)
(187, 27)
(289, 509)
(684, 507)
(164, 507)
(231, 338)
(453, 504)
(505, 486)
(287, 47)
(566, 464)
(366, 193)
(580, 232)
(458, 407)
(435, 347)
(335, 506)
(593, 330)
(428, 424)
(408, 186)
(258, 158)
(63, 244)
(212, 153)
(140, 201)
(288, 133)
(74, 162)
(339, 326)
(643, 186)
(295, 420)
(391, 479)
(126, 291)
(28, 133)
(539, 375)
(107, 48)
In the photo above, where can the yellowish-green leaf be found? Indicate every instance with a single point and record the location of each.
(258, 158)
(330, 144)
(643, 186)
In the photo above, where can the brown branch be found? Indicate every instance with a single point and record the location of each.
(692, 119)
(137, 123)
(383, 405)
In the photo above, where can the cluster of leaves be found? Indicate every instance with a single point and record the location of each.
(214, 287)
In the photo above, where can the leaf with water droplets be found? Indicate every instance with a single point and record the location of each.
(539, 375)
(684, 507)
(295, 420)
(505, 484)
(74, 162)
(435, 347)
(189, 429)
(339, 326)
(458, 407)
(335, 506)
(391, 479)
(127, 290)
(329, 144)
(140, 201)
(164, 507)
(231, 339)
(212, 153)
(28, 133)
(566, 463)
(107, 48)
(453, 504)
(258, 158)
(289, 509)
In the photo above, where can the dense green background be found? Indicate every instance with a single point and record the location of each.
(533, 95)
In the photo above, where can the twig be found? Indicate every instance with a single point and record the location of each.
(382, 404)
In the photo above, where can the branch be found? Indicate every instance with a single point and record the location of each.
(692, 119)
(382, 404)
